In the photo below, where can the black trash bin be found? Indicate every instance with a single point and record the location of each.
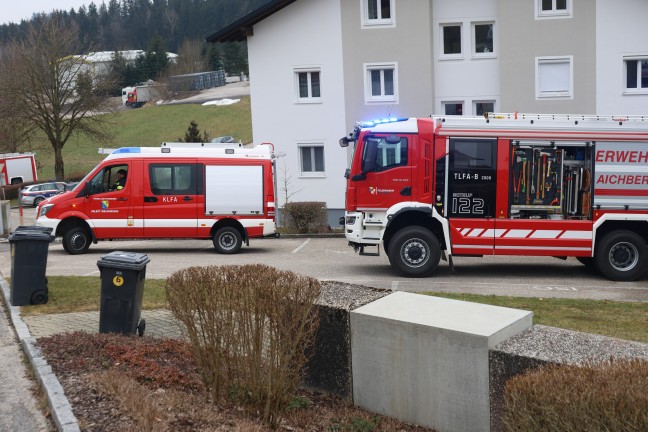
(122, 287)
(29, 247)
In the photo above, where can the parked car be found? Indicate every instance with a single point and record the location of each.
(32, 195)
(71, 185)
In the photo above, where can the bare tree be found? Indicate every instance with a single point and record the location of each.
(287, 190)
(53, 89)
(190, 58)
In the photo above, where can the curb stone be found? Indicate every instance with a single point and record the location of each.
(58, 403)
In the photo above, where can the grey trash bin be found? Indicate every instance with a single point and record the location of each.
(29, 247)
(122, 287)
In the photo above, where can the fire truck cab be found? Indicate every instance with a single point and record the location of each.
(222, 192)
(502, 184)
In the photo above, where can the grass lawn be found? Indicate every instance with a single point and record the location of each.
(624, 320)
(148, 126)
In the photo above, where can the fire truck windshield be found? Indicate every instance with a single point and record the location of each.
(382, 153)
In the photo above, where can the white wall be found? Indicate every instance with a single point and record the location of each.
(466, 79)
(621, 31)
(306, 33)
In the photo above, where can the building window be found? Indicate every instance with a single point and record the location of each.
(636, 75)
(307, 84)
(381, 82)
(553, 8)
(451, 40)
(554, 77)
(452, 108)
(483, 45)
(481, 107)
(312, 160)
(377, 13)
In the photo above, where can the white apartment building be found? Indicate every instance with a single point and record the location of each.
(319, 66)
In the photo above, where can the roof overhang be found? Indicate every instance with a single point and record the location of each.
(241, 29)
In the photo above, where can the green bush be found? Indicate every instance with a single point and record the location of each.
(607, 396)
(250, 327)
(306, 217)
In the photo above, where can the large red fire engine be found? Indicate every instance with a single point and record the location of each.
(222, 192)
(502, 184)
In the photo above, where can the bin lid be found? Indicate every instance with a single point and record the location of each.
(124, 260)
(46, 230)
(26, 235)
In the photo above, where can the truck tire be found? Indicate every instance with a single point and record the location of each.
(76, 241)
(227, 240)
(414, 252)
(622, 256)
(588, 262)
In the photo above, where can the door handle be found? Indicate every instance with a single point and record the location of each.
(122, 199)
(187, 198)
(406, 191)
(150, 199)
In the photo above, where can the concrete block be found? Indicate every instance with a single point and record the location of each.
(424, 359)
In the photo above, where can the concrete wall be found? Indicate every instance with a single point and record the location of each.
(523, 37)
(425, 359)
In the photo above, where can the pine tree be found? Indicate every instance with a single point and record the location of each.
(193, 134)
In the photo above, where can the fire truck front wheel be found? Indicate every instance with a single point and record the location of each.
(622, 256)
(414, 252)
(76, 241)
(227, 240)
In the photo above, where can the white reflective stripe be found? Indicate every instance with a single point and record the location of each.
(580, 235)
(493, 232)
(546, 234)
(170, 223)
(476, 232)
(517, 233)
(552, 248)
(116, 223)
(463, 231)
(487, 247)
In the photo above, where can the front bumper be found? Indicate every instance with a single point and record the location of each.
(356, 231)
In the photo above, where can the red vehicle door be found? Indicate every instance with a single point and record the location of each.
(173, 198)
(109, 206)
(386, 175)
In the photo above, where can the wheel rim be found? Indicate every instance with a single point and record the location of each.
(623, 256)
(415, 253)
(227, 241)
(78, 241)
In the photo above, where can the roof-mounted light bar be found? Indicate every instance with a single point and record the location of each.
(371, 123)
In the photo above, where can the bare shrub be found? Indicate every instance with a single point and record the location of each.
(306, 216)
(249, 327)
(608, 396)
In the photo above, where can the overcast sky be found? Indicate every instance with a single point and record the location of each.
(15, 10)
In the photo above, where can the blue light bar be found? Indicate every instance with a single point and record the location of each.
(371, 123)
(127, 150)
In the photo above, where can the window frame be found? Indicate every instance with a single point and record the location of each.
(634, 90)
(368, 23)
(442, 53)
(475, 102)
(370, 98)
(453, 102)
(309, 71)
(553, 13)
(547, 95)
(301, 147)
(473, 39)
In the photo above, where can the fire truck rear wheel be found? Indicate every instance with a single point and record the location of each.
(414, 252)
(622, 256)
(588, 262)
(76, 241)
(227, 240)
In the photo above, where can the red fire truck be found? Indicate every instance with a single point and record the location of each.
(502, 184)
(222, 192)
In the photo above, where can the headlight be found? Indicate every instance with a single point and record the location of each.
(350, 220)
(42, 211)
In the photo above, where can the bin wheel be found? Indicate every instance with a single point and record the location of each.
(227, 240)
(141, 327)
(39, 297)
(76, 241)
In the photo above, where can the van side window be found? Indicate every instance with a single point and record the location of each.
(174, 179)
(104, 180)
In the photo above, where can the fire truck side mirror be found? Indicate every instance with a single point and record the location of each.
(344, 142)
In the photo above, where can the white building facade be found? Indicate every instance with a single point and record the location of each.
(319, 66)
